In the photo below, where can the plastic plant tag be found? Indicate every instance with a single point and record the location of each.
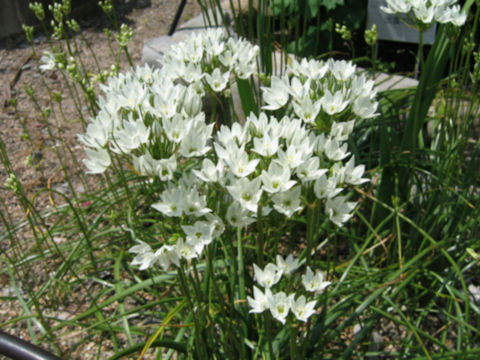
(389, 26)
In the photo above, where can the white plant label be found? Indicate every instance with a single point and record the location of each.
(390, 27)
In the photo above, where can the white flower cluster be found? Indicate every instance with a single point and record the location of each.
(197, 236)
(150, 119)
(427, 11)
(153, 120)
(209, 56)
(280, 304)
(152, 114)
(271, 163)
(319, 92)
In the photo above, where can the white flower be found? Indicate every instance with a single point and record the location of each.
(98, 160)
(338, 210)
(289, 264)
(166, 167)
(246, 58)
(237, 159)
(326, 187)
(47, 61)
(334, 151)
(340, 131)
(217, 80)
(292, 129)
(314, 282)
(294, 156)
(171, 201)
(148, 166)
(167, 255)
(288, 202)
(353, 174)
(307, 110)
(175, 127)
(259, 302)
(165, 102)
(424, 13)
(342, 70)
(309, 170)
(267, 277)
(396, 6)
(299, 90)
(195, 142)
(133, 134)
(246, 192)
(145, 257)
(266, 146)
(193, 203)
(216, 224)
(313, 69)
(237, 216)
(243, 69)
(187, 249)
(226, 135)
(191, 73)
(277, 94)
(360, 86)
(227, 58)
(279, 305)
(192, 102)
(200, 231)
(277, 178)
(457, 17)
(132, 96)
(209, 171)
(333, 104)
(99, 130)
(303, 310)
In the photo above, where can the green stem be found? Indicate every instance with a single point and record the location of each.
(200, 348)
(268, 326)
(312, 224)
(419, 61)
(260, 238)
(241, 286)
(293, 342)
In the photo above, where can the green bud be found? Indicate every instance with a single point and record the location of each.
(58, 12)
(73, 25)
(371, 36)
(28, 161)
(57, 96)
(28, 30)
(58, 30)
(12, 183)
(264, 79)
(124, 36)
(107, 6)
(29, 90)
(344, 32)
(66, 6)
(46, 112)
(13, 102)
(38, 10)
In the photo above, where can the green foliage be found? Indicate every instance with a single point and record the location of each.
(310, 23)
